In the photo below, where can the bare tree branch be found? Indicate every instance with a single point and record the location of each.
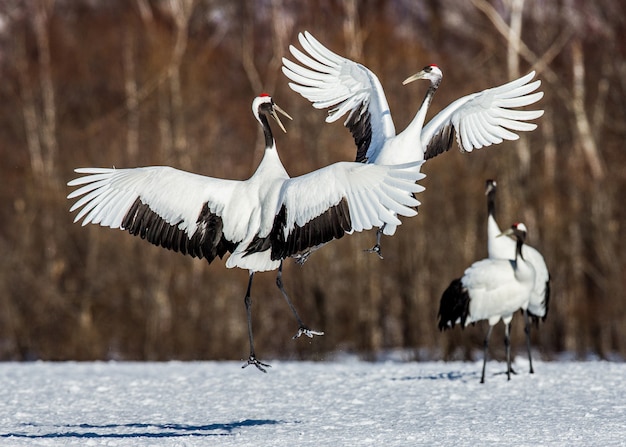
(514, 40)
(515, 37)
(352, 30)
(538, 63)
(29, 110)
(132, 94)
(181, 12)
(247, 52)
(586, 140)
(40, 18)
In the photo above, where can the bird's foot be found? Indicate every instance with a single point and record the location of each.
(252, 360)
(375, 249)
(306, 331)
(301, 258)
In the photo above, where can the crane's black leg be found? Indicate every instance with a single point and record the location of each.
(252, 360)
(507, 347)
(527, 331)
(376, 248)
(485, 354)
(302, 329)
(510, 369)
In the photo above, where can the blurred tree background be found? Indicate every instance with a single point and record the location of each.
(155, 82)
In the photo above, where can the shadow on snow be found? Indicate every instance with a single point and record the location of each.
(158, 430)
(449, 375)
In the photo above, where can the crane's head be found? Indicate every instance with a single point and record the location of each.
(430, 72)
(490, 185)
(517, 230)
(264, 104)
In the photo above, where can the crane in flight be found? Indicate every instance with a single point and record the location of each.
(330, 81)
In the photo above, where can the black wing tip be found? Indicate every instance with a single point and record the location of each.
(360, 126)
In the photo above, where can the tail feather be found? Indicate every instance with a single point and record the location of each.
(454, 306)
(546, 306)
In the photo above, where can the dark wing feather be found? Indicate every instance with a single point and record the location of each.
(332, 224)
(440, 142)
(207, 242)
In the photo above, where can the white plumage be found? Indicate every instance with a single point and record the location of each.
(480, 119)
(490, 289)
(260, 221)
(502, 248)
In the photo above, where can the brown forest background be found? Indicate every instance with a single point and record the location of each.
(147, 82)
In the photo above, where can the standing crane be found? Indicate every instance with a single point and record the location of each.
(329, 80)
(493, 290)
(502, 248)
(259, 221)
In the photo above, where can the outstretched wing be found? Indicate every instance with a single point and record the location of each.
(484, 118)
(329, 80)
(173, 209)
(341, 198)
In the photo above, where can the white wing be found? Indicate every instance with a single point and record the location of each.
(329, 80)
(341, 198)
(489, 274)
(540, 297)
(177, 210)
(484, 118)
(494, 291)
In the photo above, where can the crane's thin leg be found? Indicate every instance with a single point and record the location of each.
(302, 329)
(252, 360)
(527, 331)
(376, 248)
(486, 352)
(507, 346)
(510, 367)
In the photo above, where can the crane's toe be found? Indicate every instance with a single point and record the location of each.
(375, 249)
(252, 360)
(303, 330)
(301, 258)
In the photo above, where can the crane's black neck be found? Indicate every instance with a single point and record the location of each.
(418, 121)
(430, 93)
(518, 247)
(267, 131)
(491, 203)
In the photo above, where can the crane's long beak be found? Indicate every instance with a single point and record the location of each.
(275, 109)
(415, 77)
(508, 232)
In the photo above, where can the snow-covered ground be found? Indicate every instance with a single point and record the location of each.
(343, 403)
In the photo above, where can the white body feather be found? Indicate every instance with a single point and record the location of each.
(498, 288)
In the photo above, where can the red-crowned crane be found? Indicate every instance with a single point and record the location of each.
(493, 290)
(260, 221)
(502, 248)
(480, 119)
